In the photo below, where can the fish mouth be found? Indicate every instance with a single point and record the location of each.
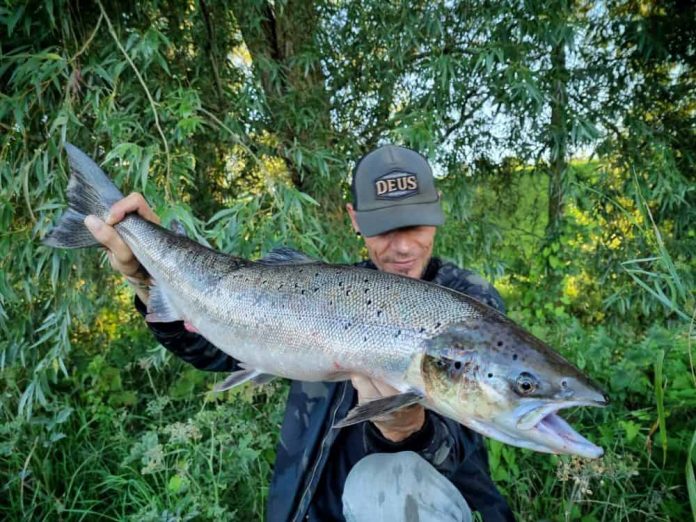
(545, 427)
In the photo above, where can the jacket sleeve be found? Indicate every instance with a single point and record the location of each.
(191, 347)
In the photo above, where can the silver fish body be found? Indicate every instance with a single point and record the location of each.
(308, 321)
(298, 318)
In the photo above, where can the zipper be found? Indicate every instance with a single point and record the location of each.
(324, 445)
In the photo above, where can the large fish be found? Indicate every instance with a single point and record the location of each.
(291, 316)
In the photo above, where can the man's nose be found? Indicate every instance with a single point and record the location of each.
(401, 242)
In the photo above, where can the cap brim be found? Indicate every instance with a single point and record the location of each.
(381, 220)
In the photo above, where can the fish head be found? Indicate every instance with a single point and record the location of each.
(501, 381)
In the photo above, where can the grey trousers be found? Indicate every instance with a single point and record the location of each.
(401, 487)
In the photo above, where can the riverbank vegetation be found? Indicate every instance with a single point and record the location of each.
(562, 135)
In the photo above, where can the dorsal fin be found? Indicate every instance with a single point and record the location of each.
(286, 256)
(177, 227)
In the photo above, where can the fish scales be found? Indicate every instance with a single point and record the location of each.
(331, 320)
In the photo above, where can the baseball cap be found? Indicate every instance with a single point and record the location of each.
(393, 187)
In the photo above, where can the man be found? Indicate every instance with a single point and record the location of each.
(411, 465)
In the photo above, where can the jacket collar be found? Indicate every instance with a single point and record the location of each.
(431, 270)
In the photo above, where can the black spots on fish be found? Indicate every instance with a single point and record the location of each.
(316, 289)
(365, 281)
(379, 313)
(500, 343)
(340, 283)
(366, 290)
(348, 292)
(514, 356)
(437, 325)
(316, 274)
(347, 325)
(369, 302)
(564, 384)
(297, 285)
(397, 334)
(455, 368)
(364, 338)
(421, 330)
(490, 375)
(303, 291)
(280, 286)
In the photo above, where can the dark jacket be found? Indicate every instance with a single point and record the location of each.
(309, 458)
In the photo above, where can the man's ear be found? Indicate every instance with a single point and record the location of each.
(351, 213)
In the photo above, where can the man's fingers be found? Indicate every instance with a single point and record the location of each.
(385, 389)
(381, 388)
(98, 229)
(370, 389)
(108, 237)
(133, 202)
(362, 383)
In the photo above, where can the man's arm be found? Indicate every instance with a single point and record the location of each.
(409, 429)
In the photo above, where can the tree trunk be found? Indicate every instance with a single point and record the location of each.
(558, 142)
(281, 40)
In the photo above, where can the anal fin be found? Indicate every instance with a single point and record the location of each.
(378, 407)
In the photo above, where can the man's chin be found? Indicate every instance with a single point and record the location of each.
(405, 269)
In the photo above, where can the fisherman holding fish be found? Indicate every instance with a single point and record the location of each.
(412, 464)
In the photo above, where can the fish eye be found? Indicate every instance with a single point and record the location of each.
(526, 383)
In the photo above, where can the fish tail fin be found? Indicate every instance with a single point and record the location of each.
(90, 191)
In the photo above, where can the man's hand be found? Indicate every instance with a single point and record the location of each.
(120, 255)
(396, 426)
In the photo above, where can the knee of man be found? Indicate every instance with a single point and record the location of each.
(401, 486)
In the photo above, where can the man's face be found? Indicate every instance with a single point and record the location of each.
(404, 251)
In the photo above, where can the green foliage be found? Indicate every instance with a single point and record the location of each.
(562, 135)
(132, 434)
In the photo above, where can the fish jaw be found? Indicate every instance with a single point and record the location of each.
(550, 434)
(543, 427)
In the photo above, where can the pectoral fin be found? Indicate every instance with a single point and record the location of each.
(160, 308)
(242, 376)
(378, 407)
